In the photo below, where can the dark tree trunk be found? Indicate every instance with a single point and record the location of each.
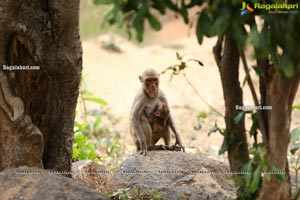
(38, 106)
(228, 65)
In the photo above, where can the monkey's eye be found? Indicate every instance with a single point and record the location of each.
(151, 80)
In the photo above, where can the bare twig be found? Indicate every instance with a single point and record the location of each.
(199, 95)
(261, 123)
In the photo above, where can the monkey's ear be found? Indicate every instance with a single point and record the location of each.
(141, 79)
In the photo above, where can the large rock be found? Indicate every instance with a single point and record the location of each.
(90, 173)
(173, 175)
(36, 184)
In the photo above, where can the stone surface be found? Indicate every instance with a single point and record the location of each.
(173, 175)
(90, 173)
(36, 184)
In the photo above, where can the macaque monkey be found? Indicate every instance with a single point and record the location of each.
(146, 101)
(159, 119)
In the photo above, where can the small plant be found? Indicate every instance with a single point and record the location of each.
(82, 148)
(93, 131)
(252, 172)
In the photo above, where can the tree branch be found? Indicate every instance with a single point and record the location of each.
(261, 123)
(217, 50)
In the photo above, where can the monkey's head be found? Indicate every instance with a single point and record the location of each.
(150, 81)
(160, 116)
(161, 111)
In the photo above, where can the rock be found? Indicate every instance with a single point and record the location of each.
(90, 173)
(173, 175)
(36, 184)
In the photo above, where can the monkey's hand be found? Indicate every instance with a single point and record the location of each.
(178, 145)
(144, 149)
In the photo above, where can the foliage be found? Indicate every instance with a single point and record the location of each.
(251, 179)
(215, 18)
(82, 148)
(92, 125)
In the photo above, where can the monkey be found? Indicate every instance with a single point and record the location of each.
(145, 102)
(158, 121)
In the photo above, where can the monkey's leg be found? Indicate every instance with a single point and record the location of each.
(155, 137)
(146, 129)
(134, 138)
(166, 135)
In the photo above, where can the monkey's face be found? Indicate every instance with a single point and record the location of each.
(162, 112)
(151, 87)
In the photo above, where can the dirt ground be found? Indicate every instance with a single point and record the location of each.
(114, 77)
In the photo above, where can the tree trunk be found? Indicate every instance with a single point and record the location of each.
(38, 106)
(229, 71)
(281, 92)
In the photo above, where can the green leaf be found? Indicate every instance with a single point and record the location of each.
(83, 154)
(92, 155)
(245, 79)
(91, 146)
(278, 175)
(154, 22)
(78, 136)
(109, 149)
(104, 158)
(256, 179)
(296, 107)
(259, 71)
(138, 22)
(288, 69)
(96, 100)
(248, 167)
(221, 23)
(169, 4)
(80, 127)
(255, 124)
(204, 26)
(86, 93)
(224, 146)
(238, 117)
(130, 5)
(178, 56)
(184, 12)
(213, 129)
(239, 34)
(108, 18)
(295, 134)
(159, 5)
(75, 152)
(267, 177)
(103, 2)
(202, 115)
(294, 148)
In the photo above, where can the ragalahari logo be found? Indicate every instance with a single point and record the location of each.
(246, 8)
(270, 8)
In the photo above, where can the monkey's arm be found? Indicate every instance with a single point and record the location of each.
(177, 136)
(170, 122)
(136, 123)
